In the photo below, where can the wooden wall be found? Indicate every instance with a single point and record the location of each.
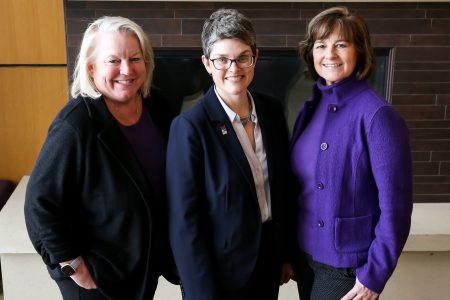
(33, 79)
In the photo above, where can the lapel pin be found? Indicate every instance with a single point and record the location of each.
(223, 129)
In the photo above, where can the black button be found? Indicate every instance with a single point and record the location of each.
(320, 223)
(320, 185)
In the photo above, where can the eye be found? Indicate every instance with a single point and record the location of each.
(136, 59)
(222, 60)
(319, 46)
(113, 61)
(341, 45)
(243, 58)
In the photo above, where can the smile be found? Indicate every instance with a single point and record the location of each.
(332, 65)
(125, 82)
(239, 77)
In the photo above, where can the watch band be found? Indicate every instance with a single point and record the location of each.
(75, 263)
(69, 269)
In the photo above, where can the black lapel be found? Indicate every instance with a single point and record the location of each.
(112, 138)
(225, 132)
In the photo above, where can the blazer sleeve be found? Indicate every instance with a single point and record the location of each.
(50, 195)
(391, 163)
(185, 185)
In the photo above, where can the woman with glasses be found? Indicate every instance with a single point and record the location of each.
(227, 176)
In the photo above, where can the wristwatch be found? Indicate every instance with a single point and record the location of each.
(69, 269)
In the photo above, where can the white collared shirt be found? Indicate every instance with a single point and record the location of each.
(257, 159)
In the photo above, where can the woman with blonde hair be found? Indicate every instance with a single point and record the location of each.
(96, 202)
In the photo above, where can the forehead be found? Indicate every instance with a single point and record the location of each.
(229, 47)
(337, 30)
(116, 41)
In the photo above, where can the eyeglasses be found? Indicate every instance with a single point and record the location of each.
(224, 63)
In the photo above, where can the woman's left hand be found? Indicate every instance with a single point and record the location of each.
(286, 273)
(360, 292)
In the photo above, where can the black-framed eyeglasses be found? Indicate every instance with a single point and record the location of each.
(242, 61)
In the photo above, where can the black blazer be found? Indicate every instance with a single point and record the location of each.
(89, 196)
(214, 216)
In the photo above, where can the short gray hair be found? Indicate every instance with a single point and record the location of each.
(82, 83)
(227, 24)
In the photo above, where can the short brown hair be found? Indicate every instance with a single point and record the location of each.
(353, 28)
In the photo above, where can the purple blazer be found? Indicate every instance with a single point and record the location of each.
(360, 213)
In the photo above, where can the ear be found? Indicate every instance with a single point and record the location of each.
(207, 63)
(256, 56)
(90, 69)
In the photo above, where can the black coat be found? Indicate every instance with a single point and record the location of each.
(89, 196)
(214, 216)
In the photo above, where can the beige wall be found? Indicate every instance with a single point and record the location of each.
(33, 79)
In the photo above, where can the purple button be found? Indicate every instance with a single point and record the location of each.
(332, 108)
(320, 223)
(320, 186)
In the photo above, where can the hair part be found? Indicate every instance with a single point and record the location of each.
(227, 24)
(353, 29)
(82, 82)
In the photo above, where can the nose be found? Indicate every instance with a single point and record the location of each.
(233, 66)
(330, 52)
(125, 67)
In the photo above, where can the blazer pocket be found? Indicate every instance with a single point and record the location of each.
(353, 234)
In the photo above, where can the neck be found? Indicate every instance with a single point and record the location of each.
(126, 113)
(240, 104)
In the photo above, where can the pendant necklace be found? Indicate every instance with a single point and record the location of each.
(247, 118)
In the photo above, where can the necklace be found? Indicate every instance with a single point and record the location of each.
(247, 118)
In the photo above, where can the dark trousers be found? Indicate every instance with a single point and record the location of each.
(265, 280)
(317, 281)
(72, 291)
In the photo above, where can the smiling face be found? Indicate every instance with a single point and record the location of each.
(119, 68)
(334, 57)
(231, 84)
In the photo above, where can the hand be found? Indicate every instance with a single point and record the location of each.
(83, 278)
(360, 292)
(286, 273)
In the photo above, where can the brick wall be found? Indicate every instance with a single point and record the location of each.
(419, 33)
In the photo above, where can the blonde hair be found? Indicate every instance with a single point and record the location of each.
(82, 83)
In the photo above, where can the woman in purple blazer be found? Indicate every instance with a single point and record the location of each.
(351, 155)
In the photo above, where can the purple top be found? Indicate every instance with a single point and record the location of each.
(150, 148)
(358, 213)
